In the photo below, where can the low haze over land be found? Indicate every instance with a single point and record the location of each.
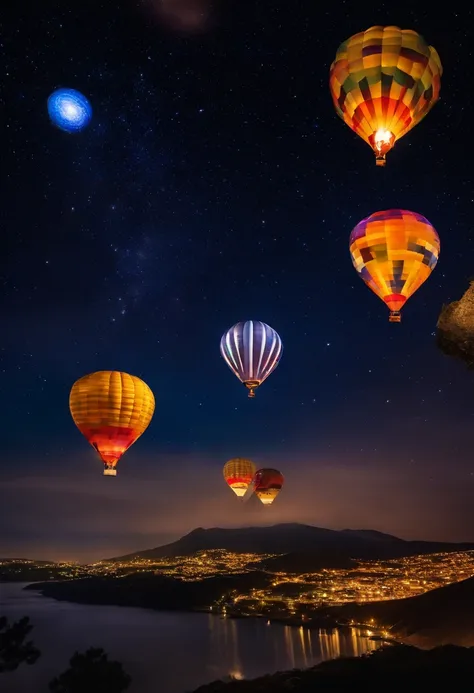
(76, 514)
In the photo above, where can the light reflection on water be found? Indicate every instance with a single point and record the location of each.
(165, 651)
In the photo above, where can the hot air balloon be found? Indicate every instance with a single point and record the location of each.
(111, 410)
(383, 82)
(394, 252)
(267, 484)
(238, 474)
(252, 351)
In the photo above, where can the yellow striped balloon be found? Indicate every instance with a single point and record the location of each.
(112, 410)
(383, 82)
(238, 474)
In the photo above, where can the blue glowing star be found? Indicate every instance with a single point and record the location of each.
(69, 110)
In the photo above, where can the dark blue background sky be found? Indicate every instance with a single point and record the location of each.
(216, 184)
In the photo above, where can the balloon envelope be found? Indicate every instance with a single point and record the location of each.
(252, 350)
(383, 82)
(112, 410)
(238, 474)
(394, 252)
(267, 484)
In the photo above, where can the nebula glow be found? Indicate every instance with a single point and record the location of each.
(69, 110)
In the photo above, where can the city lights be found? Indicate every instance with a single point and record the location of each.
(286, 596)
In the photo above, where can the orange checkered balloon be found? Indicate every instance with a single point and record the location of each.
(394, 252)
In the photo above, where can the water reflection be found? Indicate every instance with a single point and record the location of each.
(237, 664)
(358, 642)
(151, 644)
(290, 650)
(224, 645)
(330, 644)
(302, 633)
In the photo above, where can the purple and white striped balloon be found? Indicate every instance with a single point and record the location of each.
(252, 350)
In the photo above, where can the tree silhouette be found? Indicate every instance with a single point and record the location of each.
(13, 648)
(91, 672)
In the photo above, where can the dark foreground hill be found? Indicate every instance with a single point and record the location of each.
(441, 616)
(295, 538)
(151, 591)
(392, 668)
(306, 562)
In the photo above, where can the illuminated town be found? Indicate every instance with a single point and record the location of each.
(285, 594)
(368, 581)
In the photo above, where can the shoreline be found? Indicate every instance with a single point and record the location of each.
(322, 624)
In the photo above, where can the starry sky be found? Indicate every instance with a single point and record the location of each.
(215, 183)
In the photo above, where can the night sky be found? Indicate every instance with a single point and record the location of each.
(215, 183)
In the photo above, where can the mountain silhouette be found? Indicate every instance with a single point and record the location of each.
(293, 538)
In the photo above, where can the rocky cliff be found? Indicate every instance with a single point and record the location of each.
(455, 328)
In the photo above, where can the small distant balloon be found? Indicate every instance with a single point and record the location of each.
(238, 474)
(69, 110)
(267, 484)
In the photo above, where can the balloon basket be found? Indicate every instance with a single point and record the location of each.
(110, 472)
(251, 386)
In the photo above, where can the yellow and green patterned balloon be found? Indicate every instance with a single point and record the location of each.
(383, 81)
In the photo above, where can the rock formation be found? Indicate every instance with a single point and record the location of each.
(455, 335)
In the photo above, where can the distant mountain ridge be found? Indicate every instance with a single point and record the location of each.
(294, 538)
(16, 559)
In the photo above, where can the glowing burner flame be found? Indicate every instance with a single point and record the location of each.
(382, 137)
(381, 141)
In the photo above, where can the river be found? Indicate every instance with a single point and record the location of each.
(167, 652)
